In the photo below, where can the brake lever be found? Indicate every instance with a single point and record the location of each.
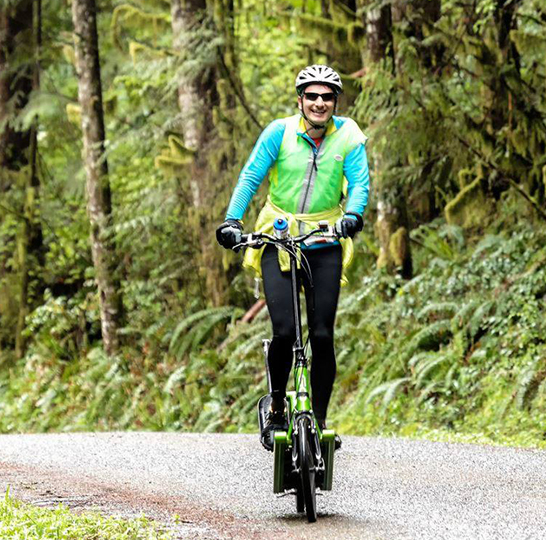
(248, 241)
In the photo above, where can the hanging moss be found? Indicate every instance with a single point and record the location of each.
(175, 158)
(471, 207)
(466, 177)
(170, 164)
(136, 48)
(340, 12)
(526, 42)
(398, 247)
(69, 54)
(356, 35)
(127, 13)
(74, 114)
(519, 138)
(178, 149)
(9, 306)
(318, 27)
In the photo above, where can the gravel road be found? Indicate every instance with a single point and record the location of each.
(220, 486)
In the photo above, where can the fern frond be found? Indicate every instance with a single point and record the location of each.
(432, 387)
(254, 343)
(239, 331)
(463, 315)
(195, 328)
(441, 310)
(477, 320)
(529, 382)
(489, 242)
(175, 378)
(429, 338)
(388, 390)
(433, 242)
(425, 369)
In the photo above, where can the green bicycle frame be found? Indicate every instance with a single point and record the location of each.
(299, 402)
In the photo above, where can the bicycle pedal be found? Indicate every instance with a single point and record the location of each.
(286, 493)
(264, 404)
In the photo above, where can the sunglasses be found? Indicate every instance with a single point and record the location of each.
(326, 97)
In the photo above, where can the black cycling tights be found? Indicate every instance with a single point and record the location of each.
(325, 266)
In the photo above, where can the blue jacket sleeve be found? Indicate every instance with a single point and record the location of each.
(355, 169)
(261, 159)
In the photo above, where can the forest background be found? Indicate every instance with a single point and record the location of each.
(123, 127)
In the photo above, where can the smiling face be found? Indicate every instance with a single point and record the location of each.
(318, 110)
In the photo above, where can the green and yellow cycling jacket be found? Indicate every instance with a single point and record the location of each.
(304, 178)
(306, 182)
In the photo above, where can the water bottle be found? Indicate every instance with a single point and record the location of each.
(280, 227)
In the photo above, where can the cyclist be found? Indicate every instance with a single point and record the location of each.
(307, 156)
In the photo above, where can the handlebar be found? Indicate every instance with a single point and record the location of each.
(257, 239)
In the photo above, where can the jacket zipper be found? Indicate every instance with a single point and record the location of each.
(315, 155)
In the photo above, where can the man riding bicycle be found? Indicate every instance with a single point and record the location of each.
(308, 157)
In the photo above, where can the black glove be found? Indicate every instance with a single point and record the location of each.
(349, 225)
(229, 233)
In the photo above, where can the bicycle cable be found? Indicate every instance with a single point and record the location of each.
(306, 267)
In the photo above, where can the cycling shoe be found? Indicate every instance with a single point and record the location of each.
(274, 421)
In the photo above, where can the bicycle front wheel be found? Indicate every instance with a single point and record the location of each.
(307, 468)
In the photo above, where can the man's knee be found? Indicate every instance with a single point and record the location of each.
(285, 335)
(322, 335)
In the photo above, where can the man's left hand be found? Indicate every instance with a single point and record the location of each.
(349, 225)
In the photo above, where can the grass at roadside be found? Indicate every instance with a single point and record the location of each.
(20, 521)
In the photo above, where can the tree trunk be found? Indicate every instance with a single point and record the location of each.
(15, 88)
(198, 96)
(325, 8)
(379, 33)
(99, 206)
(30, 248)
(187, 16)
(20, 36)
(391, 227)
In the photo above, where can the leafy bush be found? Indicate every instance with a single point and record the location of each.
(460, 348)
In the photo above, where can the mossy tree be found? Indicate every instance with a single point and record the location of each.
(20, 36)
(391, 226)
(99, 204)
(207, 99)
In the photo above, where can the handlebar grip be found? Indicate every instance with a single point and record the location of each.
(251, 240)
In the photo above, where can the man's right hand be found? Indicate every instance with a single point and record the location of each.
(229, 233)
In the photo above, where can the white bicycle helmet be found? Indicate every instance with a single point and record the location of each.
(318, 74)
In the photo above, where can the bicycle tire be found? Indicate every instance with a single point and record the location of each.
(300, 502)
(307, 469)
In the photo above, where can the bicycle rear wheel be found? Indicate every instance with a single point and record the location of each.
(307, 468)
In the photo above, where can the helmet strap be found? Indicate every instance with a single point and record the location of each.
(311, 123)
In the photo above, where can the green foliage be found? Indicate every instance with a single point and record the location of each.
(459, 349)
(455, 346)
(460, 93)
(127, 15)
(191, 333)
(471, 207)
(456, 120)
